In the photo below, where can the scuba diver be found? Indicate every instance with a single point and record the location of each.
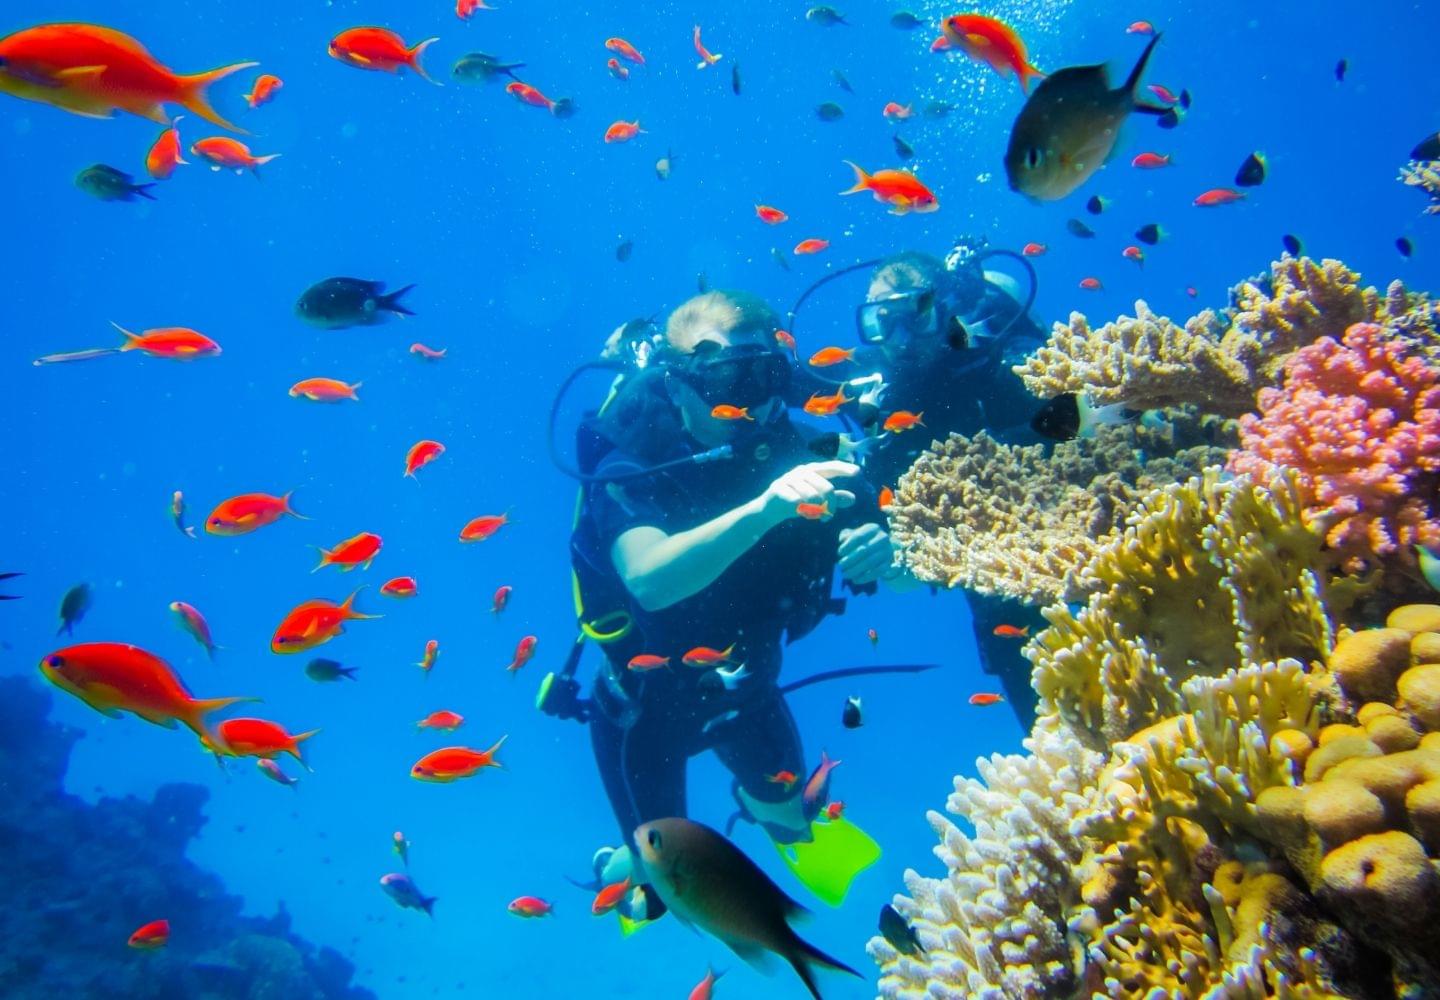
(939, 339)
(708, 536)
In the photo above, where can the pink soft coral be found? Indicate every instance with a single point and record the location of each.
(1360, 422)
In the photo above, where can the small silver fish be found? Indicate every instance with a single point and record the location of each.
(406, 893)
(826, 17)
(273, 771)
(731, 678)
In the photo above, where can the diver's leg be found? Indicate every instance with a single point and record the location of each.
(761, 742)
(1000, 655)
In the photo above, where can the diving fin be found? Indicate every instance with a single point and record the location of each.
(830, 862)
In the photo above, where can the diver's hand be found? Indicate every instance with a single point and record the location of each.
(872, 390)
(866, 554)
(807, 484)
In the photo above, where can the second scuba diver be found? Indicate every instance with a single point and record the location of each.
(708, 522)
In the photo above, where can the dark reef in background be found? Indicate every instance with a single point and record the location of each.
(79, 879)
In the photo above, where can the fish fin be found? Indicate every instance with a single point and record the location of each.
(325, 560)
(80, 74)
(131, 339)
(143, 190)
(287, 509)
(348, 605)
(261, 161)
(390, 302)
(428, 902)
(496, 749)
(862, 179)
(1028, 73)
(1132, 83)
(55, 359)
(413, 60)
(193, 98)
(302, 737)
(802, 955)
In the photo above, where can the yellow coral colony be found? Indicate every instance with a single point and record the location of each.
(1221, 799)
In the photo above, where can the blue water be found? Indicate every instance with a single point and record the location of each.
(507, 220)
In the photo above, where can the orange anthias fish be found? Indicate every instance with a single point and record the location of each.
(705, 988)
(887, 497)
(812, 245)
(643, 662)
(164, 156)
(624, 48)
(257, 738)
(899, 189)
(432, 653)
(247, 512)
(616, 70)
(706, 57)
(1219, 196)
(421, 454)
(1034, 249)
(985, 698)
(483, 527)
(827, 356)
(813, 511)
(835, 810)
(427, 353)
(903, 420)
(453, 763)
(1140, 28)
(622, 131)
(314, 623)
(324, 390)
(192, 621)
(1011, 632)
(465, 9)
(443, 720)
(785, 340)
(706, 656)
(94, 71)
(1134, 253)
(896, 112)
(400, 587)
(530, 906)
(263, 90)
(151, 936)
(176, 343)
(501, 598)
(993, 42)
(115, 677)
(1091, 284)
(786, 778)
(1150, 161)
(381, 50)
(524, 650)
(609, 897)
(357, 551)
(225, 153)
(724, 411)
(526, 94)
(769, 215)
(826, 406)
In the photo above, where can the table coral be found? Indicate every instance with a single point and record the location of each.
(1359, 420)
(1241, 819)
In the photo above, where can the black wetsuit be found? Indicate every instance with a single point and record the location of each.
(963, 394)
(646, 726)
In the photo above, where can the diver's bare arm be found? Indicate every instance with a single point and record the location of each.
(660, 570)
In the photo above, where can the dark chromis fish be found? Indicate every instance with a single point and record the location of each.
(1069, 416)
(337, 303)
(898, 932)
(1069, 127)
(707, 881)
(328, 670)
(406, 893)
(109, 184)
(73, 607)
(482, 67)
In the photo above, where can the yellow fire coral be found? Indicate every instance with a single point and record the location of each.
(1221, 800)
(1020, 522)
(1217, 361)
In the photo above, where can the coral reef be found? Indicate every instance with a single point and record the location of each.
(87, 876)
(1359, 420)
(1425, 175)
(1014, 521)
(1216, 361)
(1223, 796)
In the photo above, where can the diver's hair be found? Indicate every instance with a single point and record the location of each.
(736, 314)
(912, 269)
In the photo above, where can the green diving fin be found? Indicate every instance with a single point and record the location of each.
(628, 926)
(828, 864)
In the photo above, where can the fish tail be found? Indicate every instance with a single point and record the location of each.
(287, 509)
(195, 719)
(193, 97)
(55, 359)
(325, 560)
(413, 59)
(260, 161)
(348, 605)
(392, 303)
(862, 179)
(428, 904)
(802, 956)
(294, 748)
(1027, 74)
(494, 750)
(132, 340)
(1132, 83)
(143, 190)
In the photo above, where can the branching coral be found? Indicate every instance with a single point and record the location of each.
(1359, 420)
(1425, 175)
(1241, 825)
(1217, 361)
(1015, 521)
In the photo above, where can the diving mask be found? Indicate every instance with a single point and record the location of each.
(739, 375)
(900, 316)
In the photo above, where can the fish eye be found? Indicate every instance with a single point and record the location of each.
(54, 662)
(653, 837)
(1032, 157)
